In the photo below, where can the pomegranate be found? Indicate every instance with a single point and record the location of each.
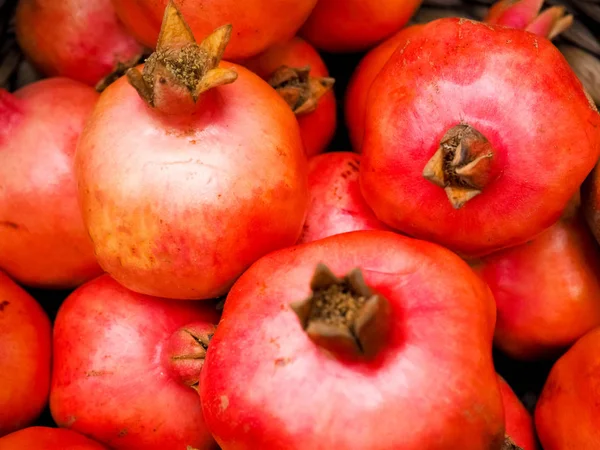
(45, 438)
(519, 423)
(78, 39)
(384, 317)
(354, 25)
(515, 14)
(43, 241)
(257, 24)
(24, 357)
(336, 204)
(295, 69)
(547, 291)
(182, 190)
(455, 148)
(567, 415)
(125, 367)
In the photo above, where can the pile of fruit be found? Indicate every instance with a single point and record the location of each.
(237, 282)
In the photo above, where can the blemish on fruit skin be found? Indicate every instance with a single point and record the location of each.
(4, 304)
(224, 402)
(9, 224)
(282, 362)
(123, 432)
(70, 421)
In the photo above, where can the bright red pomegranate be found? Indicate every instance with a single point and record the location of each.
(78, 39)
(45, 438)
(455, 149)
(24, 357)
(126, 366)
(354, 25)
(336, 204)
(383, 317)
(182, 190)
(43, 241)
(523, 14)
(295, 69)
(519, 423)
(257, 24)
(547, 291)
(567, 415)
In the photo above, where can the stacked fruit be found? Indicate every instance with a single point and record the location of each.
(236, 282)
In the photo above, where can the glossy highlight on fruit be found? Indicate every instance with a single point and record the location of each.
(24, 357)
(447, 160)
(407, 311)
(43, 241)
(189, 180)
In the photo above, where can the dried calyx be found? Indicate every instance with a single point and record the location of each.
(344, 316)
(186, 352)
(301, 91)
(461, 165)
(180, 69)
(119, 70)
(509, 444)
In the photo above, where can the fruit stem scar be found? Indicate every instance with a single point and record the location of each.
(461, 165)
(509, 444)
(344, 316)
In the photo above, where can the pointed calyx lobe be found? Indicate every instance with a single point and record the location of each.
(301, 91)
(525, 15)
(180, 70)
(344, 316)
(461, 165)
(509, 444)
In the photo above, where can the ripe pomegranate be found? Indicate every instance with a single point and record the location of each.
(567, 415)
(295, 69)
(24, 357)
(354, 25)
(78, 39)
(455, 148)
(547, 291)
(45, 438)
(43, 241)
(336, 204)
(124, 367)
(383, 317)
(181, 190)
(524, 14)
(257, 24)
(519, 423)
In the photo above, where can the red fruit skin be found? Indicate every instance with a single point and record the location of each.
(336, 204)
(193, 200)
(567, 415)
(547, 291)
(24, 357)
(523, 97)
(318, 127)
(362, 78)
(45, 438)
(519, 423)
(111, 375)
(78, 39)
(257, 25)
(442, 327)
(355, 25)
(43, 241)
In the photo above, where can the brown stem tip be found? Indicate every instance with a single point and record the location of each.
(344, 316)
(509, 444)
(461, 165)
(301, 91)
(180, 70)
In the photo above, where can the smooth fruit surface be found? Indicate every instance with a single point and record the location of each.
(45, 438)
(257, 24)
(112, 369)
(519, 423)
(43, 241)
(24, 357)
(441, 321)
(512, 96)
(567, 415)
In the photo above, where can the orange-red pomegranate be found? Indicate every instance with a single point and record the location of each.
(295, 69)
(45, 438)
(24, 357)
(456, 149)
(519, 423)
(43, 241)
